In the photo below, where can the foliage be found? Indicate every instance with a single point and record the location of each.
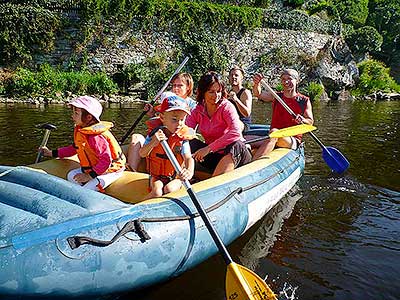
(385, 17)
(364, 39)
(374, 76)
(324, 5)
(294, 3)
(152, 73)
(353, 12)
(299, 20)
(49, 81)
(314, 90)
(207, 53)
(24, 31)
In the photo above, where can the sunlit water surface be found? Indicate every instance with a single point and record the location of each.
(332, 237)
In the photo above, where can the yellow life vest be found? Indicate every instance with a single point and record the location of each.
(87, 156)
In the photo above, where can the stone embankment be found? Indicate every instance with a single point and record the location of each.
(319, 57)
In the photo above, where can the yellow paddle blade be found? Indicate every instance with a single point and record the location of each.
(243, 284)
(293, 130)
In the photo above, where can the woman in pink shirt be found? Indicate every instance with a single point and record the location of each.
(219, 124)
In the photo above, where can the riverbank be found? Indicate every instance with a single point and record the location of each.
(121, 99)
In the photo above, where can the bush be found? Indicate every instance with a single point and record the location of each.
(314, 90)
(353, 12)
(24, 31)
(374, 76)
(48, 81)
(364, 39)
(385, 16)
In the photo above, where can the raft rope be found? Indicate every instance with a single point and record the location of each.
(137, 227)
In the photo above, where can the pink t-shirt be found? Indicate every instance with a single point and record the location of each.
(222, 129)
(101, 147)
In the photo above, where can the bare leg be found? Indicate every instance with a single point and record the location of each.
(156, 189)
(269, 145)
(265, 148)
(225, 165)
(172, 186)
(133, 151)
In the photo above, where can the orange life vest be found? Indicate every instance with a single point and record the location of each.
(157, 161)
(87, 156)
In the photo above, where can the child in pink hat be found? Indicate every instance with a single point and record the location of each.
(100, 156)
(169, 126)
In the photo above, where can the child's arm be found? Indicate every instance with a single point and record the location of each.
(150, 143)
(60, 152)
(188, 169)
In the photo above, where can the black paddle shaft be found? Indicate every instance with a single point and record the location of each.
(220, 245)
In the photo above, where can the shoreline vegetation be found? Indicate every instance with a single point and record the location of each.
(28, 31)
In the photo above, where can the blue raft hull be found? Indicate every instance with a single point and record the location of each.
(40, 214)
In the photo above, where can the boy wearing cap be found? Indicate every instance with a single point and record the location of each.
(299, 103)
(170, 126)
(100, 156)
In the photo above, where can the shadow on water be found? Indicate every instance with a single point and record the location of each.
(207, 281)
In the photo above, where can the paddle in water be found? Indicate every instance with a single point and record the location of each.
(154, 100)
(333, 158)
(241, 283)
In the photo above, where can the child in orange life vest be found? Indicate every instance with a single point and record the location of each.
(100, 156)
(170, 126)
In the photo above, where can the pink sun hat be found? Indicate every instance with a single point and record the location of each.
(90, 104)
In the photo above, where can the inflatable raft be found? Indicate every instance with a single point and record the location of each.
(58, 239)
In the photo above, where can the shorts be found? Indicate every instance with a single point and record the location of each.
(240, 153)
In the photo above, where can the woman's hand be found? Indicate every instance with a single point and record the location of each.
(201, 153)
(257, 78)
(232, 97)
(299, 119)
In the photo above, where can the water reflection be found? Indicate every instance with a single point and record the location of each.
(339, 240)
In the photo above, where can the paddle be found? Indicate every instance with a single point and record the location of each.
(48, 128)
(285, 132)
(153, 101)
(333, 158)
(241, 283)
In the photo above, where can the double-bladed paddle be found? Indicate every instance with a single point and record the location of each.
(241, 283)
(153, 101)
(333, 158)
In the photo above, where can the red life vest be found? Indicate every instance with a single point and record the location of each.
(281, 117)
(87, 156)
(158, 163)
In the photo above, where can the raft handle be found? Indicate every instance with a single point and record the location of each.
(135, 226)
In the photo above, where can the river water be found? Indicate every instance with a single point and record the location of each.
(332, 237)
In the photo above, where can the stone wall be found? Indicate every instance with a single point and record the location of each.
(316, 54)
